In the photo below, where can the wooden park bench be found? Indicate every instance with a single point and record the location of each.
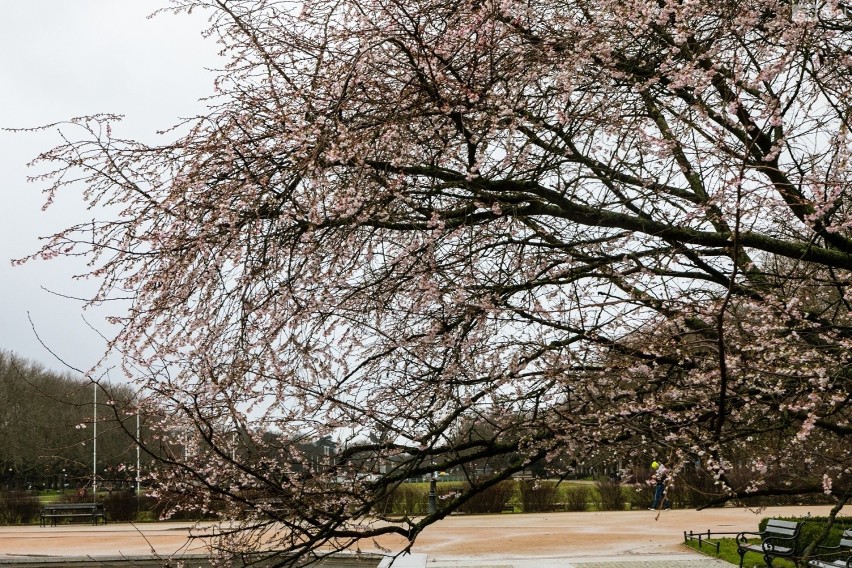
(56, 511)
(839, 556)
(778, 540)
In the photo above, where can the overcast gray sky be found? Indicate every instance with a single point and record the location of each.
(66, 58)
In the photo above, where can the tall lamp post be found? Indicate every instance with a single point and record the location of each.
(95, 443)
(433, 494)
(138, 454)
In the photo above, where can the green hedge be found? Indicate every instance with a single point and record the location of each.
(538, 495)
(525, 496)
(19, 508)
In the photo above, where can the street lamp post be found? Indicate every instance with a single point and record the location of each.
(95, 442)
(138, 460)
(433, 494)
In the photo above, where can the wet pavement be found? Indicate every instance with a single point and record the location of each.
(622, 539)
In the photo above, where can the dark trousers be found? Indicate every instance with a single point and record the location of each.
(658, 497)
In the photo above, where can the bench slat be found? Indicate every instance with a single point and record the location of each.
(784, 524)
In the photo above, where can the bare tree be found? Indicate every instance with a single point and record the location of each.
(604, 226)
(47, 430)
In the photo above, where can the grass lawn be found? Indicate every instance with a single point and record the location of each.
(51, 496)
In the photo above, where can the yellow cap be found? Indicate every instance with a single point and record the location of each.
(654, 465)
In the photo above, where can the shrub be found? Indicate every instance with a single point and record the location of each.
(611, 494)
(404, 499)
(19, 507)
(689, 490)
(177, 507)
(80, 495)
(413, 498)
(121, 506)
(577, 498)
(491, 500)
(642, 496)
(692, 489)
(538, 495)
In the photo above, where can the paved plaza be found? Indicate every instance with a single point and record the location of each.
(624, 539)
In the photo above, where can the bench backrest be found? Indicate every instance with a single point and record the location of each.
(846, 539)
(785, 528)
(74, 506)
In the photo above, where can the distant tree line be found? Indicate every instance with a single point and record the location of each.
(47, 434)
(46, 429)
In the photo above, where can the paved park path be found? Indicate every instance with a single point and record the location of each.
(623, 539)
